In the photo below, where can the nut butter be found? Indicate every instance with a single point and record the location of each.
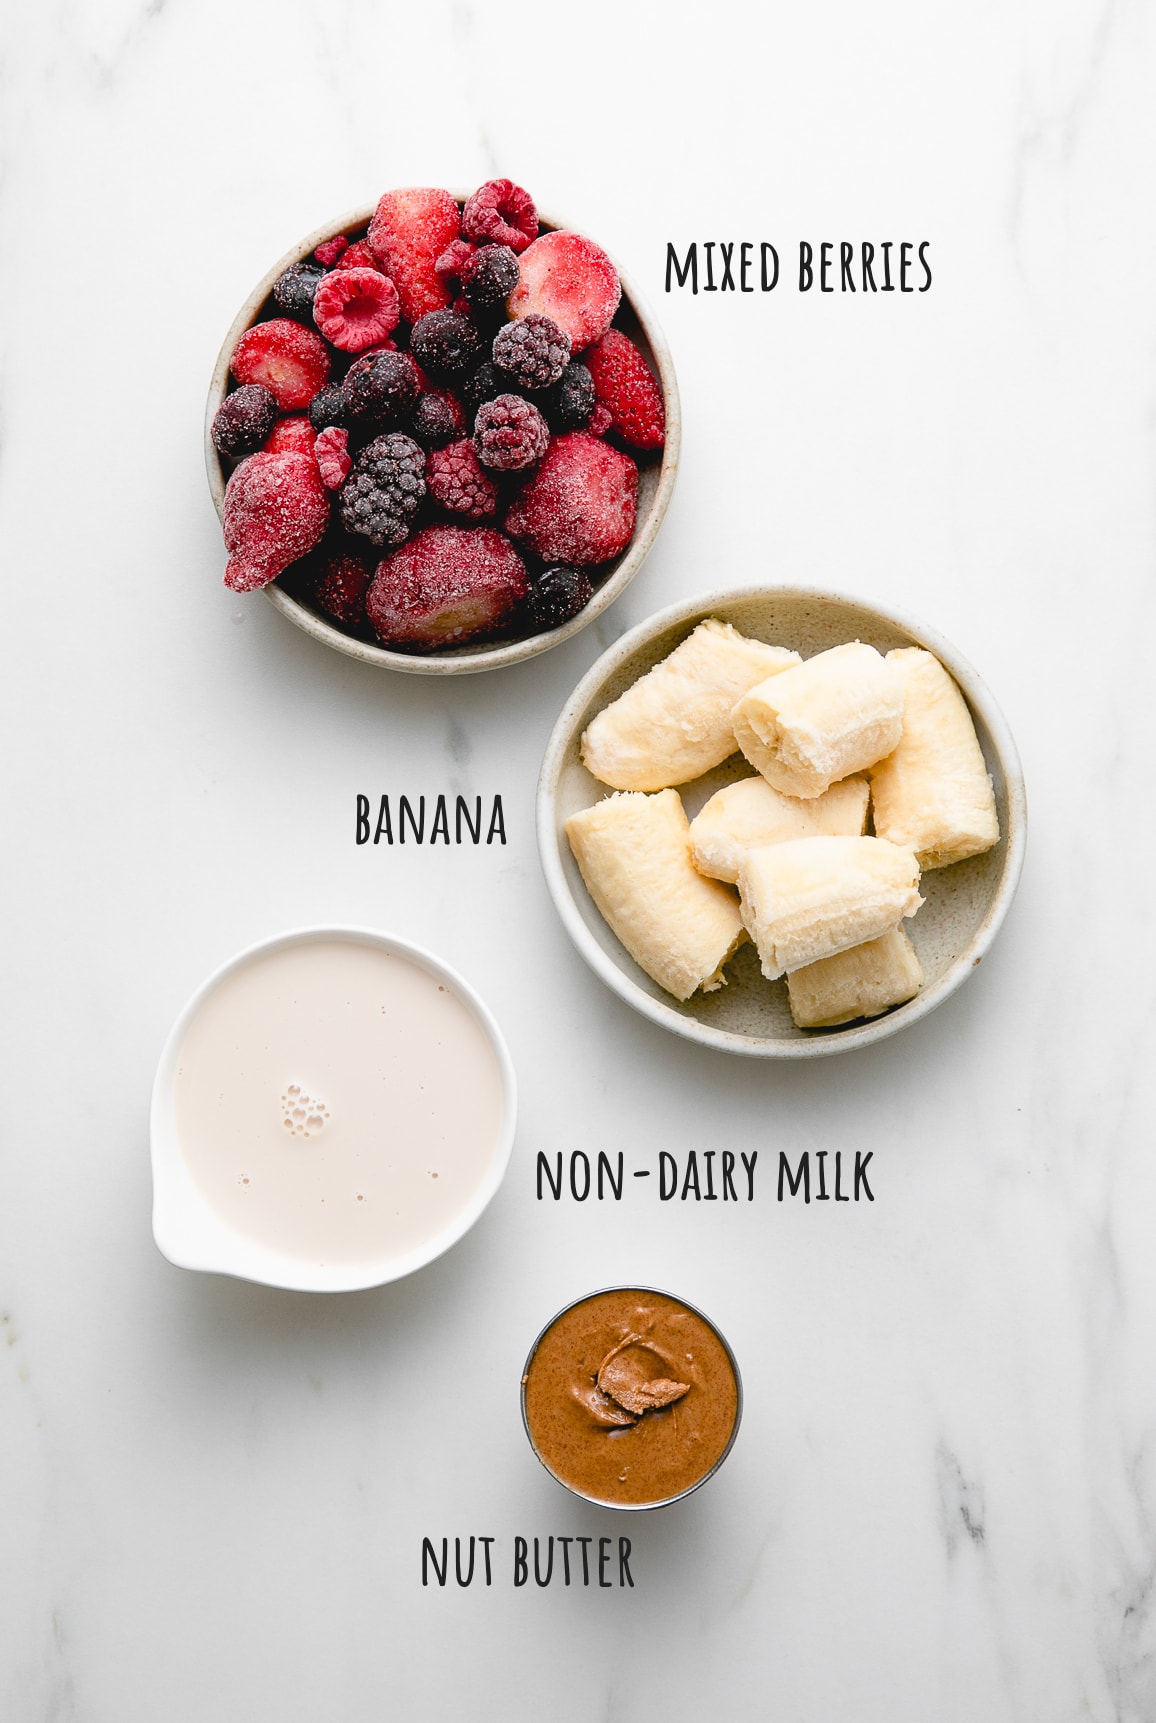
(631, 1398)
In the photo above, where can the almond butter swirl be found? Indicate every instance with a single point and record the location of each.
(630, 1397)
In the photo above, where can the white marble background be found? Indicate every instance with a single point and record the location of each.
(942, 1506)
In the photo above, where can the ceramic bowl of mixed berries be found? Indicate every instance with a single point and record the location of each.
(442, 433)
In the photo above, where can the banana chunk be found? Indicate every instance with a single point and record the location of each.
(747, 814)
(634, 855)
(933, 792)
(863, 982)
(673, 724)
(814, 897)
(820, 721)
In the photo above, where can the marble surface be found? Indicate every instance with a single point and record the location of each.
(942, 1504)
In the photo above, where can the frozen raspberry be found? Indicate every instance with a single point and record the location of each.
(359, 256)
(285, 357)
(509, 434)
(295, 435)
(445, 343)
(625, 385)
(331, 452)
(454, 258)
(600, 420)
(294, 288)
(409, 231)
(275, 511)
(456, 482)
(569, 404)
(486, 384)
(330, 250)
(489, 276)
(570, 279)
(437, 419)
(448, 586)
(244, 419)
(341, 589)
(501, 213)
(579, 507)
(327, 407)
(557, 595)
(381, 388)
(353, 308)
(381, 495)
(533, 352)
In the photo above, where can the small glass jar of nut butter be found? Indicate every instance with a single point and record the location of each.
(631, 1398)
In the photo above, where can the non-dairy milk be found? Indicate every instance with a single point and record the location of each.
(337, 1102)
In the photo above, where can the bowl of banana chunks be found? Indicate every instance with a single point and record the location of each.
(780, 821)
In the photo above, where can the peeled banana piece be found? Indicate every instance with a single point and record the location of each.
(634, 854)
(747, 814)
(822, 720)
(862, 982)
(673, 724)
(933, 792)
(815, 897)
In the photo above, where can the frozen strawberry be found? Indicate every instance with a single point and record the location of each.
(291, 436)
(600, 420)
(446, 587)
(579, 506)
(625, 385)
(285, 357)
(341, 589)
(456, 482)
(570, 279)
(501, 213)
(330, 250)
(409, 231)
(331, 452)
(353, 308)
(275, 512)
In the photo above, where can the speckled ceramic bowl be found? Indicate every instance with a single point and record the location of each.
(964, 904)
(656, 476)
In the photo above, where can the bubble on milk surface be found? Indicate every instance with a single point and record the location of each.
(302, 1115)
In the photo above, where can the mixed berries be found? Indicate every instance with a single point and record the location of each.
(434, 431)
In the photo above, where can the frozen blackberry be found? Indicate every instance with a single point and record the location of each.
(381, 389)
(244, 419)
(558, 594)
(445, 343)
(533, 352)
(434, 421)
(488, 276)
(328, 407)
(510, 434)
(294, 289)
(382, 493)
(570, 402)
(486, 384)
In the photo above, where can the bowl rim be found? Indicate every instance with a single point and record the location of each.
(189, 1232)
(675, 1298)
(691, 611)
(462, 660)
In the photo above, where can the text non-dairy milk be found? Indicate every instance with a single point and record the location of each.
(337, 1102)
